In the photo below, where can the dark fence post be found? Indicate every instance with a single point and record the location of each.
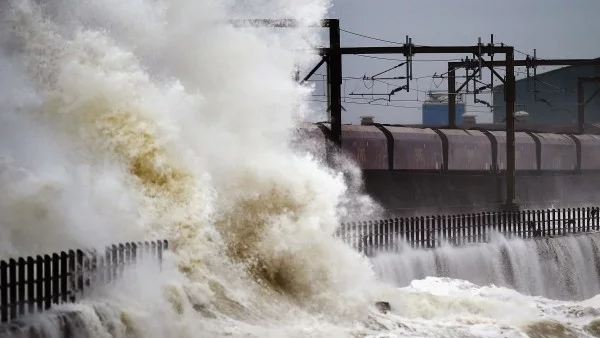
(12, 290)
(571, 221)
(519, 219)
(487, 223)
(160, 253)
(498, 222)
(579, 219)
(31, 279)
(438, 232)
(462, 231)
(445, 229)
(55, 278)
(374, 225)
(4, 291)
(134, 252)
(479, 227)
(64, 277)
(385, 226)
(402, 236)
(40, 283)
(153, 244)
(396, 238)
(470, 233)
(372, 237)
(47, 282)
(21, 285)
(555, 222)
(423, 231)
(542, 221)
(587, 213)
(114, 265)
(412, 232)
(128, 253)
(382, 235)
(453, 231)
(72, 277)
(122, 259)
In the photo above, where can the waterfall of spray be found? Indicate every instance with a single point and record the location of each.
(559, 268)
(148, 119)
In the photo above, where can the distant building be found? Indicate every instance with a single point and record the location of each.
(551, 98)
(435, 109)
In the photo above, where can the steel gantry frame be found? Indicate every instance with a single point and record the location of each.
(528, 62)
(333, 56)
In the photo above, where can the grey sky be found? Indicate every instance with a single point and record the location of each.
(556, 28)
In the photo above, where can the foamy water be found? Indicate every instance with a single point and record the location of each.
(132, 120)
(559, 268)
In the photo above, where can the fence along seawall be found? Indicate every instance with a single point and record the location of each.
(389, 235)
(33, 285)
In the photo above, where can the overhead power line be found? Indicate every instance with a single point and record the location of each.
(370, 37)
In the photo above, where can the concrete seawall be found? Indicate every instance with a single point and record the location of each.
(414, 194)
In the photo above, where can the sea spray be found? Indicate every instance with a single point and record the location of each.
(159, 119)
(176, 125)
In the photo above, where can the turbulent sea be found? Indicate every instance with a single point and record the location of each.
(148, 119)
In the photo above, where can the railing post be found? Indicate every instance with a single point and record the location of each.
(47, 282)
(114, 256)
(487, 216)
(461, 229)
(588, 219)
(453, 230)
(424, 227)
(31, 283)
(397, 236)
(412, 232)
(64, 277)
(122, 259)
(382, 235)
(3, 291)
(570, 221)
(12, 290)
(40, 282)
(555, 223)
(21, 285)
(390, 234)
(403, 223)
(444, 237)
(579, 219)
(159, 246)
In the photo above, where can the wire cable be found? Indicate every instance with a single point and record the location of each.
(370, 37)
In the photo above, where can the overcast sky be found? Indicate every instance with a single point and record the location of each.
(556, 28)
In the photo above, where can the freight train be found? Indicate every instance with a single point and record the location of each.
(412, 149)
